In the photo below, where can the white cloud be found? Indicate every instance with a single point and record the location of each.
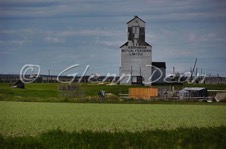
(113, 43)
(14, 42)
(177, 30)
(54, 40)
(89, 32)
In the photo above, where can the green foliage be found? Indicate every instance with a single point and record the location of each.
(213, 137)
(70, 91)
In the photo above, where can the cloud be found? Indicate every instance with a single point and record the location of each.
(28, 3)
(154, 10)
(112, 43)
(151, 11)
(14, 42)
(91, 32)
(95, 38)
(54, 40)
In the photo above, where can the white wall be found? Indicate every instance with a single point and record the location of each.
(134, 60)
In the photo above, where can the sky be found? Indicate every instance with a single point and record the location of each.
(57, 34)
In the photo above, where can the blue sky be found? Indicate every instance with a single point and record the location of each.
(56, 34)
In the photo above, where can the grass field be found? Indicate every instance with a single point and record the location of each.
(59, 124)
(49, 92)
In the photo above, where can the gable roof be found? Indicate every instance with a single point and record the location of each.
(135, 18)
(126, 44)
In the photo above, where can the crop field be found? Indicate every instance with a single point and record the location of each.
(27, 122)
(28, 118)
(61, 124)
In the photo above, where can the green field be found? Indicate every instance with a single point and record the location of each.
(28, 118)
(49, 92)
(53, 121)
(86, 125)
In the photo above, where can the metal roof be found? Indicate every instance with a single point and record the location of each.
(135, 18)
(126, 44)
(194, 88)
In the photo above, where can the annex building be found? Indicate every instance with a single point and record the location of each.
(136, 57)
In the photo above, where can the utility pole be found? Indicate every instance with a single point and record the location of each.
(193, 69)
(48, 75)
(173, 70)
(218, 78)
(131, 79)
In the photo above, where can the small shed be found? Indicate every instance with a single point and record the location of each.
(143, 93)
(220, 97)
(18, 84)
(193, 92)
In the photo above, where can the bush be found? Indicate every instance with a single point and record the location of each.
(70, 91)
